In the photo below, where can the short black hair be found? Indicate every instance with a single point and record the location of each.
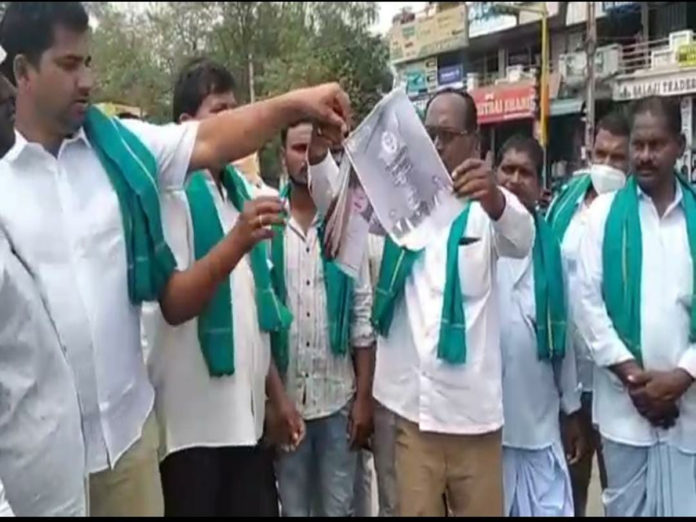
(667, 108)
(27, 28)
(615, 123)
(471, 114)
(197, 80)
(284, 132)
(527, 145)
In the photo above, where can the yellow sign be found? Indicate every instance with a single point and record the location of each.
(438, 33)
(686, 55)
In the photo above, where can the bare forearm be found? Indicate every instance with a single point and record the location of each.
(188, 292)
(275, 390)
(364, 362)
(236, 133)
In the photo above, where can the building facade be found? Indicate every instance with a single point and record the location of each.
(495, 54)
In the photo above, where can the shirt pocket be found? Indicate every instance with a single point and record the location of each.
(474, 269)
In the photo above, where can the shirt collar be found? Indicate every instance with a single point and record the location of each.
(678, 197)
(21, 144)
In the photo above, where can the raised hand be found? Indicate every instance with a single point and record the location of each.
(474, 179)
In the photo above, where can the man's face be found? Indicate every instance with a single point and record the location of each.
(7, 115)
(444, 122)
(61, 85)
(295, 152)
(214, 104)
(518, 173)
(654, 150)
(611, 150)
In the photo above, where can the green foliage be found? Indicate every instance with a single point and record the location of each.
(138, 49)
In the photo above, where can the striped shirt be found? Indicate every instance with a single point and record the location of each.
(319, 382)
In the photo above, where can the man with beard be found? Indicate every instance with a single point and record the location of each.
(327, 357)
(637, 315)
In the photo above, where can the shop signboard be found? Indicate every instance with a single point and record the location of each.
(429, 36)
(674, 83)
(504, 102)
(686, 55)
(450, 75)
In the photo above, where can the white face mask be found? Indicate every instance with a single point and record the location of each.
(606, 179)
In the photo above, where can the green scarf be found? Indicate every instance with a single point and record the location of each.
(622, 262)
(339, 298)
(548, 292)
(397, 264)
(215, 324)
(563, 208)
(132, 171)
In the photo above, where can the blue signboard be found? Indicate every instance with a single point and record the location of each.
(450, 75)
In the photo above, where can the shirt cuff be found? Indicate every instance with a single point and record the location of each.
(570, 402)
(364, 338)
(688, 361)
(611, 355)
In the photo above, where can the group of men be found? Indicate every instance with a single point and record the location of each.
(176, 340)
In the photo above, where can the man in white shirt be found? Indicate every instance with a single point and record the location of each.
(42, 453)
(539, 375)
(449, 403)
(41, 445)
(210, 426)
(68, 206)
(568, 217)
(330, 353)
(635, 312)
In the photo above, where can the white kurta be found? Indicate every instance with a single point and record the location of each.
(410, 379)
(62, 215)
(665, 317)
(536, 478)
(42, 453)
(193, 408)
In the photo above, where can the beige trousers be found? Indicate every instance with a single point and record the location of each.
(133, 487)
(465, 468)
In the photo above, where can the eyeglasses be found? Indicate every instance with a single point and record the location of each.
(444, 134)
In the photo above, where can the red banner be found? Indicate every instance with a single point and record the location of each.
(504, 102)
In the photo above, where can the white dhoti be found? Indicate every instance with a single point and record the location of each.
(536, 483)
(653, 481)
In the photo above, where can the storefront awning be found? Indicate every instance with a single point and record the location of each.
(566, 106)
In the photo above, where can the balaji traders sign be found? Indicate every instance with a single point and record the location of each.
(676, 83)
(504, 102)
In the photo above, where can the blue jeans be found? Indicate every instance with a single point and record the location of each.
(318, 478)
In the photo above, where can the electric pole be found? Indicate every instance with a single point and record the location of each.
(591, 48)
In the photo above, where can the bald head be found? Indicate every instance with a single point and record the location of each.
(451, 121)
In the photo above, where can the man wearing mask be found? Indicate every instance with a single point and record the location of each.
(636, 313)
(79, 200)
(327, 357)
(438, 358)
(568, 217)
(539, 376)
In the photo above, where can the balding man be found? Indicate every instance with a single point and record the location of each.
(438, 358)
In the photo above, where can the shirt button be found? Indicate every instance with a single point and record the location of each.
(308, 282)
(307, 344)
(307, 314)
(308, 250)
